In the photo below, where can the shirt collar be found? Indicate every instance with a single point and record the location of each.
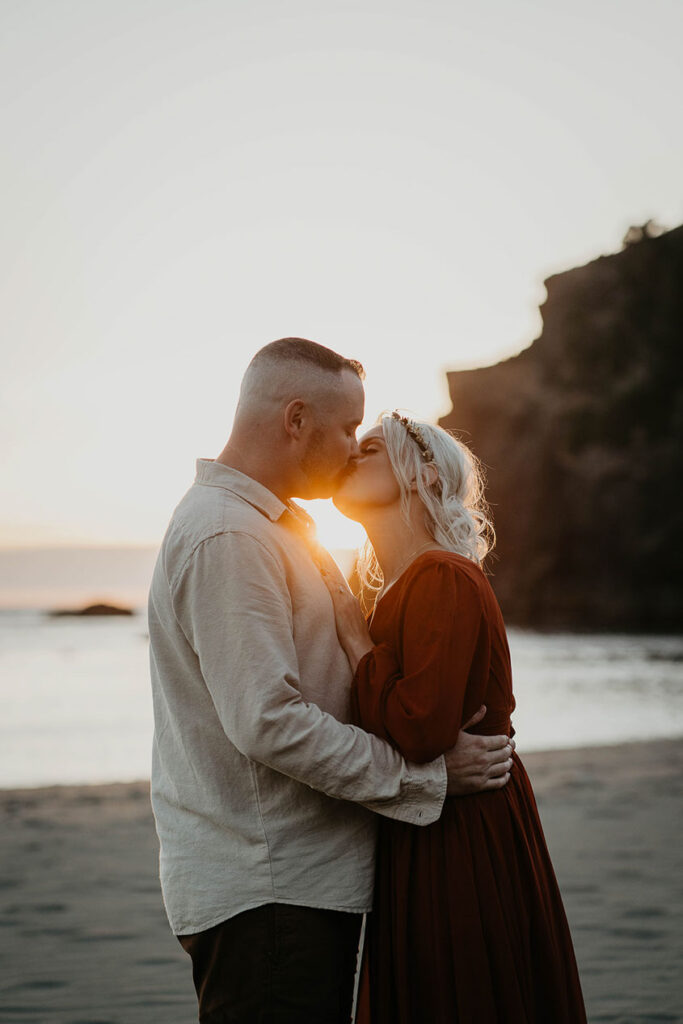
(215, 474)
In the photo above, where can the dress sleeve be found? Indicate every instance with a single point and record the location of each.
(413, 695)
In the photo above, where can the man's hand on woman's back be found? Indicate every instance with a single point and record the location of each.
(478, 763)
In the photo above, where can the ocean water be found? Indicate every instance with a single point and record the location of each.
(76, 704)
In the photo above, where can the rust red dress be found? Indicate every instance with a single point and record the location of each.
(468, 924)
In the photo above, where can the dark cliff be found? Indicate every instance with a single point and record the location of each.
(582, 438)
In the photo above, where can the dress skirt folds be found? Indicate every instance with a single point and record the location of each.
(468, 924)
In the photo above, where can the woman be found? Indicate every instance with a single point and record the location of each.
(468, 924)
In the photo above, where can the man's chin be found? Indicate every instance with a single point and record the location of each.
(340, 479)
(322, 489)
(317, 492)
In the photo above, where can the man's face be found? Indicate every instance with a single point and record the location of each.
(332, 447)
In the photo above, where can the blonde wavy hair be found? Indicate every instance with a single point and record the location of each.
(455, 511)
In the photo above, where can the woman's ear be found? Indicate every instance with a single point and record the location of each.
(430, 475)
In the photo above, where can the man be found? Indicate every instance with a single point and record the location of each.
(262, 793)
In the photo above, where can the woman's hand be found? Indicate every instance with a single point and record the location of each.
(351, 628)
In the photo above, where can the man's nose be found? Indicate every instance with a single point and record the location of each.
(355, 451)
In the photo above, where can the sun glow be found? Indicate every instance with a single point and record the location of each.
(338, 534)
(417, 247)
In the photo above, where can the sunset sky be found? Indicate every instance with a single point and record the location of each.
(184, 182)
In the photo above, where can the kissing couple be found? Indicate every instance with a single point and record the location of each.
(314, 762)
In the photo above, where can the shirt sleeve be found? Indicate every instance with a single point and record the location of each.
(414, 696)
(233, 605)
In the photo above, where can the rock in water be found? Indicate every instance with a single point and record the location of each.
(92, 609)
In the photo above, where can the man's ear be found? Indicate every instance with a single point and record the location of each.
(295, 417)
(430, 475)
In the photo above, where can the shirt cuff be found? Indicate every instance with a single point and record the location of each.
(423, 791)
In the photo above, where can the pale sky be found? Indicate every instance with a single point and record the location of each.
(185, 181)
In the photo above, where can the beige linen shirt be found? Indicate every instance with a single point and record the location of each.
(262, 792)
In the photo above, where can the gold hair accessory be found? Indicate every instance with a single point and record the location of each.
(414, 431)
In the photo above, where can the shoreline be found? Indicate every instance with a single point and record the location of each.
(609, 755)
(87, 939)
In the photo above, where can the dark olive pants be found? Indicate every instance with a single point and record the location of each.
(277, 964)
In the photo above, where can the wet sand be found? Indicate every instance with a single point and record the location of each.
(84, 938)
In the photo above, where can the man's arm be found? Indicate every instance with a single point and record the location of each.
(233, 605)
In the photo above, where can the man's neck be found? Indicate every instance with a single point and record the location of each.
(260, 469)
(255, 468)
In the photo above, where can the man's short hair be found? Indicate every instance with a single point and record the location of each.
(301, 350)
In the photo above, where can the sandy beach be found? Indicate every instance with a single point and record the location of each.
(85, 938)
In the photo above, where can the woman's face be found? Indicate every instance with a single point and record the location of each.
(371, 484)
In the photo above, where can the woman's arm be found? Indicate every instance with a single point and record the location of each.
(418, 706)
(352, 630)
(418, 696)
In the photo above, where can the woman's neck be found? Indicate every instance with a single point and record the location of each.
(395, 541)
